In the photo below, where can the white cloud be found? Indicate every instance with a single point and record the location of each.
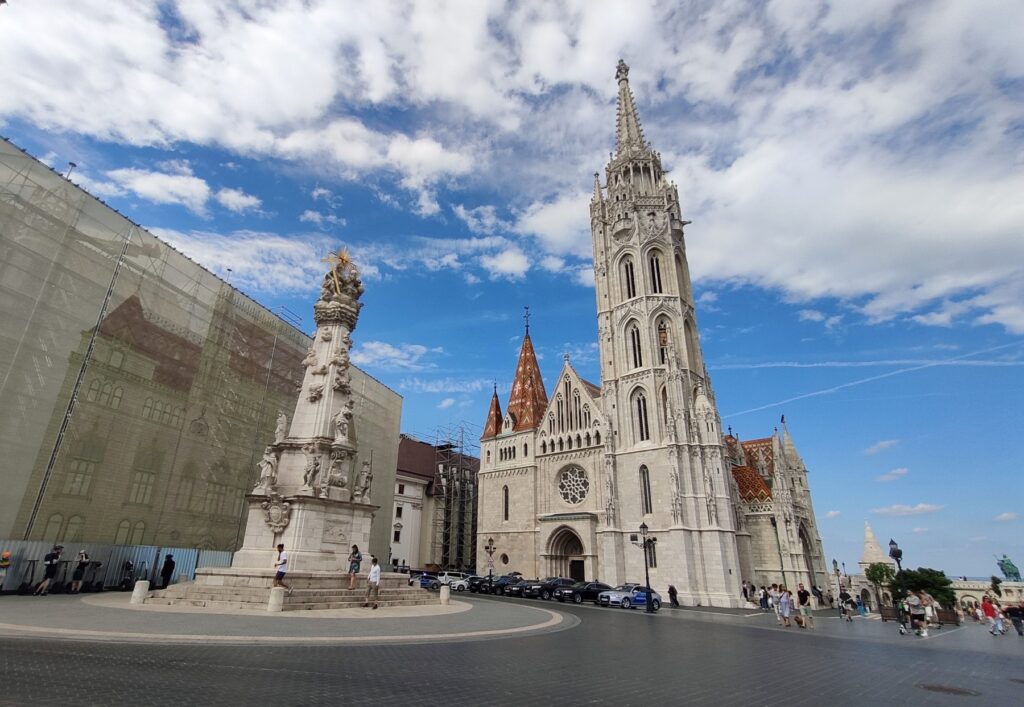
(161, 188)
(811, 315)
(237, 200)
(1009, 515)
(321, 193)
(480, 219)
(318, 218)
(900, 509)
(510, 263)
(552, 263)
(894, 474)
(833, 514)
(562, 226)
(446, 385)
(920, 530)
(379, 354)
(707, 297)
(880, 446)
(446, 403)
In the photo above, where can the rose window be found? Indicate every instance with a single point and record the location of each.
(573, 485)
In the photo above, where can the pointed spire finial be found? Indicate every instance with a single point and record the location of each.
(597, 187)
(629, 133)
(526, 318)
(621, 71)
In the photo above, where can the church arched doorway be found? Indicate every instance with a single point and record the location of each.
(565, 554)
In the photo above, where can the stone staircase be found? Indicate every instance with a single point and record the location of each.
(310, 591)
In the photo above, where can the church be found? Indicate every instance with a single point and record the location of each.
(567, 479)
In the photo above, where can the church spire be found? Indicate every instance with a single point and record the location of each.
(493, 425)
(629, 132)
(596, 199)
(528, 400)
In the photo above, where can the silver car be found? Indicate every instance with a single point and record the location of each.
(627, 596)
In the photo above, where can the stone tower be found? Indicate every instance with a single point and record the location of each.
(664, 448)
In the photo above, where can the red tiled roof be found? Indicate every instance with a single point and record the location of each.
(528, 400)
(760, 449)
(595, 390)
(751, 486)
(493, 425)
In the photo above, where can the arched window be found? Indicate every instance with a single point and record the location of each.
(597, 438)
(561, 444)
(147, 408)
(94, 391)
(654, 261)
(488, 456)
(105, 393)
(643, 430)
(628, 279)
(53, 526)
(664, 406)
(634, 346)
(543, 447)
(115, 399)
(526, 450)
(138, 531)
(504, 502)
(568, 442)
(662, 341)
(124, 529)
(645, 491)
(73, 532)
(588, 439)
(579, 441)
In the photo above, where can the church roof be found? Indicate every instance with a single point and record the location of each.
(760, 450)
(528, 400)
(751, 486)
(628, 132)
(493, 425)
(594, 390)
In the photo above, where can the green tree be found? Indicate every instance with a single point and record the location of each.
(880, 574)
(935, 582)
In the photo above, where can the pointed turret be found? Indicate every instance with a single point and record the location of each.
(528, 400)
(596, 199)
(493, 425)
(629, 133)
(789, 447)
(872, 550)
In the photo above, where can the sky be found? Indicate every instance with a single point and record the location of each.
(852, 171)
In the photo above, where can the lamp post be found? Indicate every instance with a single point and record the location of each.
(489, 549)
(645, 543)
(896, 554)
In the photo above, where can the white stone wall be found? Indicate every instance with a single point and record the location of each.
(410, 500)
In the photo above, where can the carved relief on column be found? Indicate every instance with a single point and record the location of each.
(268, 472)
(609, 481)
(311, 473)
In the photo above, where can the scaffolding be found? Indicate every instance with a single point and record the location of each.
(456, 463)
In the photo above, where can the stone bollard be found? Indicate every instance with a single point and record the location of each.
(276, 602)
(446, 594)
(140, 591)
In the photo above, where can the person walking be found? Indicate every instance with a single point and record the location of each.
(281, 565)
(81, 565)
(773, 600)
(373, 583)
(785, 605)
(673, 595)
(803, 598)
(355, 561)
(51, 561)
(917, 615)
(1015, 612)
(763, 599)
(167, 571)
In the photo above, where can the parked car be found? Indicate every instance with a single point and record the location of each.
(628, 596)
(429, 581)
(450, 576)
(516, 589)
(545, 587)
(503, 581)
(581, 592)
(461, 585)
(479, 584)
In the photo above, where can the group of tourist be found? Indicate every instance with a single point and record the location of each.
(355, 561)
(993, 613)
(780, 599)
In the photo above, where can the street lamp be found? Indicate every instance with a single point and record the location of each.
(647, 543)
(896, 554)
(489, 549)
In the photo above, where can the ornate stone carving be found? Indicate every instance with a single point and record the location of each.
(268, 472)
(339, 292)
(277, 512)
(281, 430)
(338, 476)
(573, 485)
(342, 421)
(316, 392)
(326, 335)
(362, 489)
(312, 470)
(310, 359)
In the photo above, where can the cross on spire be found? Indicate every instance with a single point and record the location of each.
(526, 317)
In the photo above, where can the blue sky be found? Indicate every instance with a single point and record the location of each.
(853, 172)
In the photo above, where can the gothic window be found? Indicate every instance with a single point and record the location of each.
(94, 391)
(141, 489)
(643, 431)
(105, 392)
(561, 414)
(138, 531)
(561, 445)
(654, 260)
(504, 502)
(588, 439)
(551, 423)
(576, 410)
(628, 279)
(184, 498)
(645, 491)
(79, 477)
(662, 341)
(597, 438)
(124, 529)
(573, 485)
(568, 442)
(579, 441)
(488, 456)
(115, 399)
(147, 408)
(586, 416)
(652, 555)
(664, 406)
(543, 447)
(634, 345)
(526, 450)
(53, 526)
(73, 530)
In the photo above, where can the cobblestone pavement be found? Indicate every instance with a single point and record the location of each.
(610, 657)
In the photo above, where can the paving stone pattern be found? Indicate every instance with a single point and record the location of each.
(611, 657)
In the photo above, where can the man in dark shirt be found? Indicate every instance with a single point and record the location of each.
(803, 600)
(1015, 612)
(51, 562)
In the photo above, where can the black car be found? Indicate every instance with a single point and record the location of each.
(517, 589)
(481, 584)
(581, 592)
(544, 588)
(502, 582)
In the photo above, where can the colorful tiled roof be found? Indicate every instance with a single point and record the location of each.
(751, 486)
(528, 400)
(493, 424)
(760, 450)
